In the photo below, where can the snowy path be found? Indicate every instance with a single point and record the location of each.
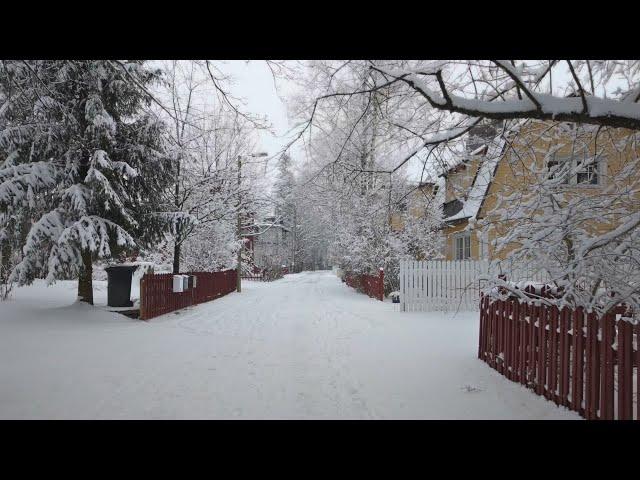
(305, 346)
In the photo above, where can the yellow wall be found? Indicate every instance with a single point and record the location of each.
(413, 199)
(450, 233)
(459, 183)
(514, 172)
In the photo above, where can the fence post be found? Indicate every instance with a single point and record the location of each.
(381, 285)
(143, 311)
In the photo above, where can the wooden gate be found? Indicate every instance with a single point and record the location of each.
(440, 284)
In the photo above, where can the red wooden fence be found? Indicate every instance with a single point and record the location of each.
(570, 357)
(157, 296)
(370, 284)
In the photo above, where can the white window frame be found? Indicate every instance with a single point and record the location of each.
(573, 175)
(466, 246)
(483, 240)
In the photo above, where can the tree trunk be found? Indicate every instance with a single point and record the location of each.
(85, 279)
(176, 258)
(5, 269)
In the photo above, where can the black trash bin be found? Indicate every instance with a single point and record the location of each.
(119, 285)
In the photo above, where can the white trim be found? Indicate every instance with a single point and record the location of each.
(457, 236)
(561, 159)
(483, 244)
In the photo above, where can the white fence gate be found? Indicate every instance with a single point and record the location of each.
(440, 284)
(454, 284)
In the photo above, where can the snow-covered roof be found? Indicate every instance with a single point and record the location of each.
(481, 182)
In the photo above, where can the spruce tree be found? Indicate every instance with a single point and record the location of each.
(82, 161)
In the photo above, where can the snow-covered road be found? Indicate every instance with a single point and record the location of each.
(306, 346)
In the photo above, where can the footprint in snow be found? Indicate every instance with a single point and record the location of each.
(470, 389)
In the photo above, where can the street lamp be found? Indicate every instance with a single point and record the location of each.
(239, 231)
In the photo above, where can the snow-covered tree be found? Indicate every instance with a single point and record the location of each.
(82, 160)
(206, 135)
(283, 189)
(350, 153)
(425, 109)
(572, 216)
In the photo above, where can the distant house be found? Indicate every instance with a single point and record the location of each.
(271, 244)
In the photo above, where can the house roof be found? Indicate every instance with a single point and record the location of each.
(471, 206)
(460, 162)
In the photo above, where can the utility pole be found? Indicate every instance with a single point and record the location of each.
(239, 228)
(239, 232)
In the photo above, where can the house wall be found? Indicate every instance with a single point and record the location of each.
(459, 182)
(412, 200)
(451, 232)
(273, 248)
(514, 175)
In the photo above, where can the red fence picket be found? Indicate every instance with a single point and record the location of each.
(571, 357)
(370, 284)
(157, 296)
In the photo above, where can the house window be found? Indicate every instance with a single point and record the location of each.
(463, 247)
(588, 174)
(569, 167)
(558, 167)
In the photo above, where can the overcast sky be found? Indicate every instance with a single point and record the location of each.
(254, 83)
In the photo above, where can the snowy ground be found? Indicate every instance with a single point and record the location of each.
(306, 346)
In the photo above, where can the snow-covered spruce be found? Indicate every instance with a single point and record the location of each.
(80, 163)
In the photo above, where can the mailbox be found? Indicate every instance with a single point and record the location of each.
(177, 283)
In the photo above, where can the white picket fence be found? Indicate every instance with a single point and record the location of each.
(452, 285)
(440, 284)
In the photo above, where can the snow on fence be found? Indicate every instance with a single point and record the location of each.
(440, 284)
(523, 273)
(570, 357)
(452, 284)
(157, 296)
(372, 285)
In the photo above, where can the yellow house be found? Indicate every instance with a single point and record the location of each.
(557, 151)
(466, 184)
(459, 186)
(499, 164)
(512, 165)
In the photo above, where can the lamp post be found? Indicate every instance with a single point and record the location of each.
(239, 229)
